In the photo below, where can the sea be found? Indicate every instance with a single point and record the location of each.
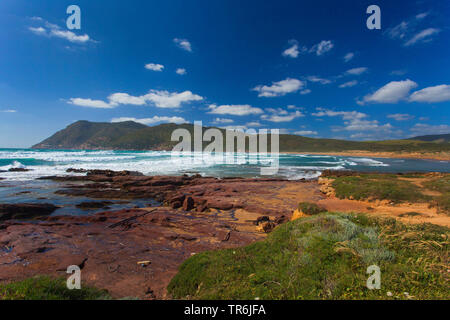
(22, 187)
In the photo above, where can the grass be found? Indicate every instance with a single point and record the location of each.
(442, 185)
(48, 288)
(377, 186)
(310, 208)
(324, 257)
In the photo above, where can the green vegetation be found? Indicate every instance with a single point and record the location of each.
(324, 257)
(47, 288)
(377, 186)
(310, 208)
(441, 185)
(134, 136)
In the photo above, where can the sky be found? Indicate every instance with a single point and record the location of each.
(311, 68)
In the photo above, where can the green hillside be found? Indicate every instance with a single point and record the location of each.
(134, 136)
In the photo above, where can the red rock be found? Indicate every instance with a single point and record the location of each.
(188, 204)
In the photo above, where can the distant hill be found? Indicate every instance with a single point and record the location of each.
(433, 138)
(134, 136)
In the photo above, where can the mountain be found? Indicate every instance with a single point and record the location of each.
(134, 136)
(89, 135)
(433, 138)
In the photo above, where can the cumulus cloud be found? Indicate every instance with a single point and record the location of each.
(53, 30)
(183, 44)
(356, 71)
(253, 124)
(235, 109)
(349, 84)
(280, 115)
(400, 116)
(421, 129)
(318, 79)
(279, 88)
(349, 56)
(306, 133)
(356, 121)
(166, 99)
(181, 71)
(322, 47)
(306, 91)
(89, 103)
(159, 98)
(422, 36)
(153, 120)
(154, 67)
(222, 120)
(124, 98)
(392, 92)
(432, 94)
(292, 51)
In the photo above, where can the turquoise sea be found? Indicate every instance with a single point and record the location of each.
(291, 166)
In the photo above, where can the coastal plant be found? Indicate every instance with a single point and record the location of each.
(48, 288)
(324, 257)
(310, 208)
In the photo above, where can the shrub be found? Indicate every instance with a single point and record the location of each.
(310, 208)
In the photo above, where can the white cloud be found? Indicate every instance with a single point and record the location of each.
(38, 30)
(392, 92)
(9, 111)
(222, 120)
(154, 67)
(400, 116)
(356, 71)
(349, 84)
(153, 120)
(409, 30)
(280, 115)
(183, 44)
(322, 47)
(181, 71)
(305, 133)
(422, 36)
(236, 109)
(357, 121)
(432, 94)
(422, 15)
(306, 91)
(160, 98)
(166, 99)
(124, 98)
(89, 103)
(291, 51)
(53, 30)
(399, 31)
(279, 88)
(420, 129)
(349, 56)
(318, 79)
(69, 35)
(253, 124)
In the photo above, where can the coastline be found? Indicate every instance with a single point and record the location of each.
(443, 156)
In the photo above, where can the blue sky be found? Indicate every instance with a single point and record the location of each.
(307, 67)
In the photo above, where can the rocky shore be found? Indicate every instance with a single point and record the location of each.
(135, 252)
